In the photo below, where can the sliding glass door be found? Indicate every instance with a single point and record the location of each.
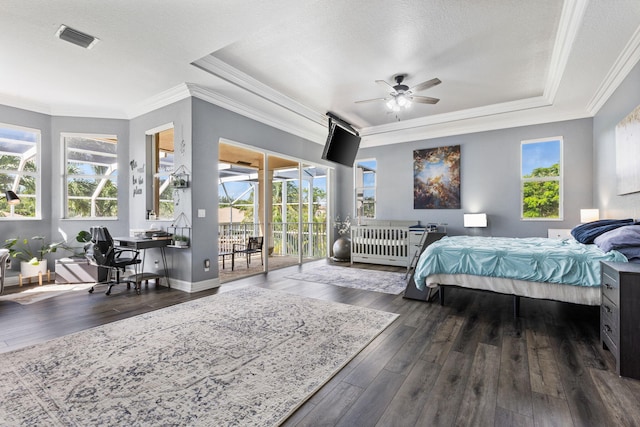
(274, 197)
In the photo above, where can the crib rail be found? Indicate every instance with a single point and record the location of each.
(380, 244)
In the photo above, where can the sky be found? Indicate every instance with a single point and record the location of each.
(540, 154)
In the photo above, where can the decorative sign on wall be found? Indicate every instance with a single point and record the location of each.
(436, 178)
(138, 180)
(628, 153)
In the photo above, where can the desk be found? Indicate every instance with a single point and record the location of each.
(142, 244)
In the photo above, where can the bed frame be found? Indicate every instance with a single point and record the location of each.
(516, 288)
(383, 242)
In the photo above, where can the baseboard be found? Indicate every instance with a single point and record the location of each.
(195, 287)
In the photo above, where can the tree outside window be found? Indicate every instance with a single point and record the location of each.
(365, 188)
(91, 176)
(541, 179)
(19, 170)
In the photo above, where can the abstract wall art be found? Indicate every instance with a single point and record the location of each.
(628, 153)
(436, 178)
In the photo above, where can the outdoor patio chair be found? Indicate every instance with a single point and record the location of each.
(253, 246)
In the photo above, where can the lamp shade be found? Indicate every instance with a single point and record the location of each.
(475, 220)
(12, 198)
(589, 215)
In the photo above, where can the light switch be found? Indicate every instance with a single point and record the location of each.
(202, 213)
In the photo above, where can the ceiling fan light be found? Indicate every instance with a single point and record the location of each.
(401, 100)
(391, 103)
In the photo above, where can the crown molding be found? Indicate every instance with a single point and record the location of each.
(621, 68)
(236, 77)
(169, 96)
(573, 12)
(457, 116)
(315, 132)
(471, 125)
(24, 104)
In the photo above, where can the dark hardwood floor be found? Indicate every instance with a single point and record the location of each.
(467, 363)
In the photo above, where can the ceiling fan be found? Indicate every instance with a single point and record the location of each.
(401, 95)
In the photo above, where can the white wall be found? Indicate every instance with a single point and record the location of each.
(619, 105)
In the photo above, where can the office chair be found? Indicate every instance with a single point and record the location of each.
(253, 246)
(102, 252)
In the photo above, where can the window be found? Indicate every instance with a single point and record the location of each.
(162, 166)
(541, 179)
(91, 176)
(365, 188)
(19, 170)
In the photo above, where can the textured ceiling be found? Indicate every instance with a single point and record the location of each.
(502, 63)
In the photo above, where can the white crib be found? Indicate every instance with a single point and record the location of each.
(382, 242)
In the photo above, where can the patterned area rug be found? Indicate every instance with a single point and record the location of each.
(247, 357)
(370, 280)
(43, 292)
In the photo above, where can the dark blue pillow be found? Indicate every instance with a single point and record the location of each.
(586, 233)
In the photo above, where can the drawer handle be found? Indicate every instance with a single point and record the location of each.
(606, 307)
(608, 286)
(607, 328)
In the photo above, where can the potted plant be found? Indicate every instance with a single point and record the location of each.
(179, 240)
(31, 252)
(342, 245)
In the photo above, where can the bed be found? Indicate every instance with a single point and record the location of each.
(557, 269)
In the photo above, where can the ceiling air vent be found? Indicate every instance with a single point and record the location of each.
(76, 37)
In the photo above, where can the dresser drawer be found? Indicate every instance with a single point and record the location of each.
(609, 342)
(611, 285)
(609, 319)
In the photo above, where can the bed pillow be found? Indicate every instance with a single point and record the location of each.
(632, 253)
(621, 237)
(586, 233)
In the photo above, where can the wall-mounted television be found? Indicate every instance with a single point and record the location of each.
(341, 146)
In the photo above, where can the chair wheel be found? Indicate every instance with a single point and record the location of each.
(91, 290)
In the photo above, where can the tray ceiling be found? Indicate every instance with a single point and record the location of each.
(502, 63)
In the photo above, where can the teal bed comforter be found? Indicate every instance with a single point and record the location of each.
(535, 259)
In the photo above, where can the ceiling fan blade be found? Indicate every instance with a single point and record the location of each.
(371, 100)
(386, 85)
(425, 85)
(424, 100)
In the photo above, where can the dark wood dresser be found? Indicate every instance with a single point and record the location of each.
(620, 315)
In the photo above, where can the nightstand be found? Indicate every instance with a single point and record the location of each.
(620, 315)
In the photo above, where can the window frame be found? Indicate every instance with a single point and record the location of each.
(66, 175)
(360, 189)
(37, 175)
(155, 176)
(559, 178)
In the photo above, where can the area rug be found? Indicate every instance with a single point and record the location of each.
(249, 357)
(388, 282)
(31, 295)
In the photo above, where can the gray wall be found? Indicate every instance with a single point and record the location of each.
(178, 113)
(490, 178)
(489, 171)
(618, 106)
(28, 227)
(70, 227)
(51, 202)
(210, 124)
